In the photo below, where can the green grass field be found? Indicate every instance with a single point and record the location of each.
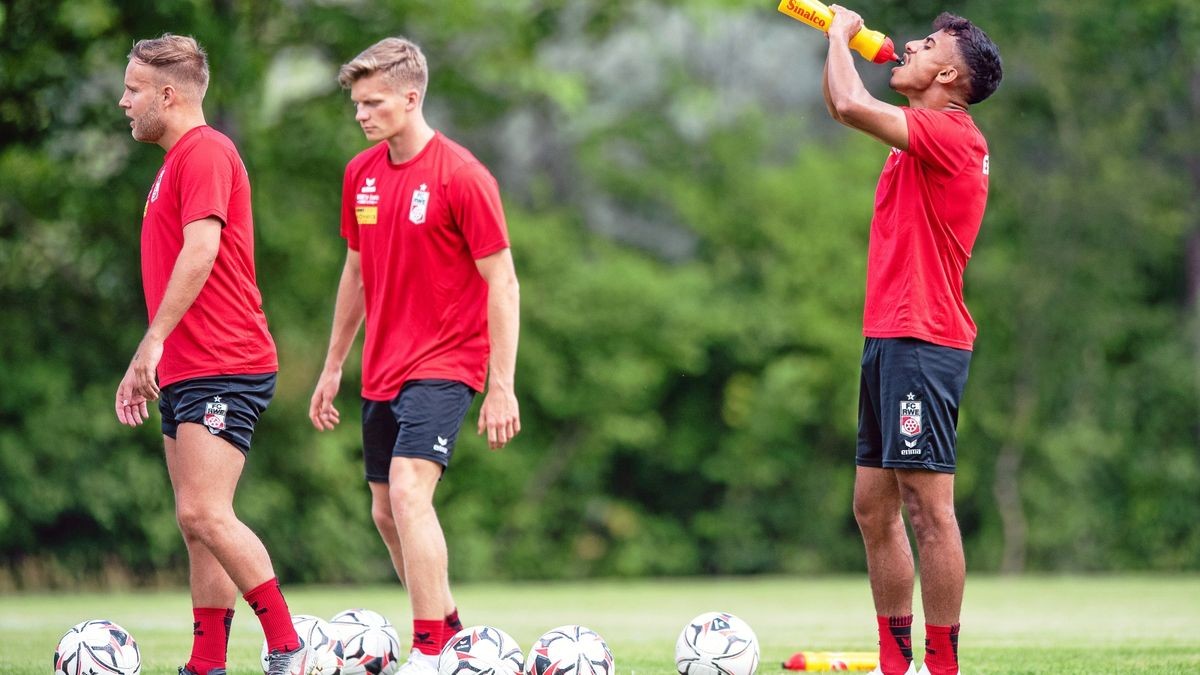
(1104, 624)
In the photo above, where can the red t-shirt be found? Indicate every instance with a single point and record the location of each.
(224, 332)
(928, 207)
(419, 227)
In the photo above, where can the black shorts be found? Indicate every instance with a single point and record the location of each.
(422, 421)
(908, 404)
(227, 405)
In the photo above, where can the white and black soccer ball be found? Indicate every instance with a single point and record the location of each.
(370, 645)
(716, 643)
(97, 647)
(322, 648)
(569, 650)
(481, 650)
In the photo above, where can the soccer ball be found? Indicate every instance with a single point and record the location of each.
(570, 650)
(97, 646)
(481, 650)
(716, 643)
(370, 645)
(323, 650)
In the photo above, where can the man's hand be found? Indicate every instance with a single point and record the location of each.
(144, 367)
(846, 24)
(500, 416)
(131, 407)
(320, 410)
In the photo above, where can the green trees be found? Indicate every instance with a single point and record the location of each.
(690, 231)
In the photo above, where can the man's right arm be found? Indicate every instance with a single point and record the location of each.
(348, 313)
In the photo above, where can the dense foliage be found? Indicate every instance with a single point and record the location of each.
(690, 232)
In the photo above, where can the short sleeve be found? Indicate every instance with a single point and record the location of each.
(206, 183)
(477, 211)
(349, 221)
(939, 139)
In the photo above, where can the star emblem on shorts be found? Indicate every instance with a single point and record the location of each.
(217, 399)
(911, 396)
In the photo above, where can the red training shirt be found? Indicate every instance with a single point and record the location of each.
(419, 227)
(224, 332)
(928, 207)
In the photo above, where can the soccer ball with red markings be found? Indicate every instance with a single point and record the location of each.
(322, 648)
(97, 647)
(716, 643)
(569, 650)
(481, 650)
(370, 645)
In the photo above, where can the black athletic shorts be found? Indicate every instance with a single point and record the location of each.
(908, 404)
(227, 405)
(422, 421)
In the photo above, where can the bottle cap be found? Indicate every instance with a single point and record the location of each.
(887, 52)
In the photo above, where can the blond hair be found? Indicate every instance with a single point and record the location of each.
(177, 57)
(400, 61)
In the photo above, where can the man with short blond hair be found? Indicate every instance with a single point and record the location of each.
(207, 356)
(428, 266)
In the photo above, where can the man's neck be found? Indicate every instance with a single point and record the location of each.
(404, 146)
(936, 100)
(179, 129)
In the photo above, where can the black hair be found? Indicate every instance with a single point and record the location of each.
(980, 54)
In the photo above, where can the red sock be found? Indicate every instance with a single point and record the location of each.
(427, 636)
(450, 625)
(272, 611)
(895, 644)
(210, 638)
(941, 649)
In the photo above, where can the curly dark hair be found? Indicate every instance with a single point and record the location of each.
(980, 54)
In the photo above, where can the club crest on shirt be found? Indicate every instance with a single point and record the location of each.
(157, 184)
(420, 200)
(910, 417)
(214, 415)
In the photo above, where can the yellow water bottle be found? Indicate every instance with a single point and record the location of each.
(873, 45)
(826, 661)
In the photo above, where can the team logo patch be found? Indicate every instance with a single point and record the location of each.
(157, 184)
(420, 200)
(214, 415)
(910, 417)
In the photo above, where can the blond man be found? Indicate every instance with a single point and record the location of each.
(207, 356)
(428, 266)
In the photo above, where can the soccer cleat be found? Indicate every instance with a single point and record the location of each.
(912, 670)
(216, 671)
(284, 663)
(925, 671)
(418, 664)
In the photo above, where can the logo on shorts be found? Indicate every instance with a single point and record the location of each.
(910, 417)
(214, 415)
(420, 200)
(441, 444)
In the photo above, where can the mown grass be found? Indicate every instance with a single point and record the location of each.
(1102, 624)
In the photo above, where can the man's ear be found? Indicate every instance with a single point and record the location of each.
(412, 99)
(168, 95)
(947, 75)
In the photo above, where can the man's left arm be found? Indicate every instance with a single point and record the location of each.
(500, 416)
(850, 102)
(201, 244)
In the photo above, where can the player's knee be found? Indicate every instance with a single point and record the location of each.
(201, 522)
(381, 513)
(873, 516)
(932, 521)
(406, 501)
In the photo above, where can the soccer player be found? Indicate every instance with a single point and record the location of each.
(207, 356)
(928, 207)
(428, 265)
